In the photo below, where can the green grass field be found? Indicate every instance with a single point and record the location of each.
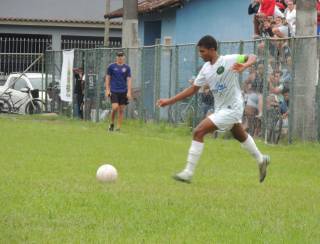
(49, 193)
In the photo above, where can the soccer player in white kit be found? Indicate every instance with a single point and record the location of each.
(221, 74)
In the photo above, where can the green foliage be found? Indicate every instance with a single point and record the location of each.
(49, 193)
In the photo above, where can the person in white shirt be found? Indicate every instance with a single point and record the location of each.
(221, 74)
(290, 15)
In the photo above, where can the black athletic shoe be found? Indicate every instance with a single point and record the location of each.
(111, 127)
(118, 129)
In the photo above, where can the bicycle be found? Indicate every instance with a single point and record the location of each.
(251, 121)
(274, 122)
(186, 112)
(33, 105)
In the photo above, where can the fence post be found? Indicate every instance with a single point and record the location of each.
(157, 79)
(141, 103)
(176, 65)
(265, 86)
(241, 48)
(293, 71)
(46, 81)
(98, 86)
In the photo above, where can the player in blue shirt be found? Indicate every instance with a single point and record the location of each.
(118, 88)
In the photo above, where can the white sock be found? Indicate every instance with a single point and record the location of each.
(251, 147)
(195, 152)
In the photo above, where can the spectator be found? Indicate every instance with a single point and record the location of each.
(281, 4)
(275, 87)
(79, 90)
(284, 102)
(284, 110)
(258, 81)
(267, 29)
(290, 15)
(253, 107)
(280, 30)
(253, 9)
(207, 101)
(118, 88)
(267, 8)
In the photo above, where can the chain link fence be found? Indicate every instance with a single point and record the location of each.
(275, 100)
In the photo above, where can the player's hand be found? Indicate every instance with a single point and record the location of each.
(238, 67)
(164, 102)
(108, 93)
(129, 96)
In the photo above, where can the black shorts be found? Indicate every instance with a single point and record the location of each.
(120, 98)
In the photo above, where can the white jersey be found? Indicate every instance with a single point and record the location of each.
(223, 83)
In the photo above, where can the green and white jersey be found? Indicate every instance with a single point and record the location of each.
(223, 82)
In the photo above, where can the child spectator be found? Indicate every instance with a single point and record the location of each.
(290, 15)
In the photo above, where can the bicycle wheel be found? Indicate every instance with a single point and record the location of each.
(277, 130)
(270, 115)
(185, 113)
(5, 106)
(34, 107)
(274, 126)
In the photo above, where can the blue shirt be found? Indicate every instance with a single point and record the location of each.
(118, 77)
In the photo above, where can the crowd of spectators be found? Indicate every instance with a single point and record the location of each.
(276, 20)
(273, 18)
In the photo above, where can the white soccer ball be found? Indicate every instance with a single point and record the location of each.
(107, 173)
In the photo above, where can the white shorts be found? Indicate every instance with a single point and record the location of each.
(224, 119)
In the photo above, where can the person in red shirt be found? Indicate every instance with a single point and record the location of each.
(267, 7)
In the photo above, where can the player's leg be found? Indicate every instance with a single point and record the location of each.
(206, 126)
(120, 116)
(248, 143)
(123, 101)
(114, 109)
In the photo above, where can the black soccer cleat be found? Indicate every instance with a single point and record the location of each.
(111, 127)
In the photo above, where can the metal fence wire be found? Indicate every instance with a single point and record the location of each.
(274, 98)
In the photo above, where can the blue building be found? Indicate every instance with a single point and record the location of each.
(172, 22)
(186, 21)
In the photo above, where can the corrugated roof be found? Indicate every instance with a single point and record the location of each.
(69, 21)
(148, 6)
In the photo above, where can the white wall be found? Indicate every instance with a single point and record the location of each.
(57, 9)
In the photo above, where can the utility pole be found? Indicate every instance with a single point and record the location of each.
(130, 42)
(107, 24)
(303, 98)
(130, 24)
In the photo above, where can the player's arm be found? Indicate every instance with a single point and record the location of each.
(243, 62)
(180, 96)
(107, 82)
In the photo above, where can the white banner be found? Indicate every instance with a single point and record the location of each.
(66, 89)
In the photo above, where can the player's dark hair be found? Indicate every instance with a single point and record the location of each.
(208, 42)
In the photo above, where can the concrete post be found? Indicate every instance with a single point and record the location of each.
(107, 25)
(303, 105)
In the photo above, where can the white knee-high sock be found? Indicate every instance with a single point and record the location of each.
(194, 154)
(251, 147)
